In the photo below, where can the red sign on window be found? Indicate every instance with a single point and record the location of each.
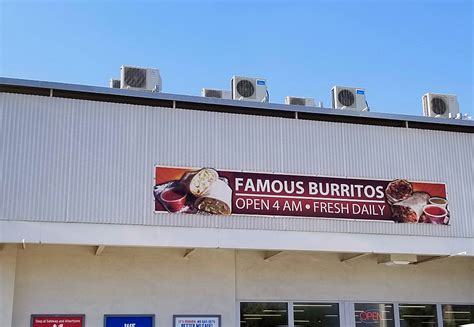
(370, 316)
(57, 320)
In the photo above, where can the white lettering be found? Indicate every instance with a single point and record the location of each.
(380, 192)
(358, 188)
(280, 186)
(239, 182)
(240, 203)
(313, 188)
(263, 186)
(381, 208)
(321, 189)
(255, 204)
(355, 209)
(369, 191)
(345, 190)
(292, 206)
(249, 185)
(300, 187)
(290, 189)
(335, 190)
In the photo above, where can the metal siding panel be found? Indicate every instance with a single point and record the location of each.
(306, 148)
(248, 143)
(176, 137)
(107, 168)
(4, 103)
(96, 160)
(207, 139)
(35, 158)
(323, 148)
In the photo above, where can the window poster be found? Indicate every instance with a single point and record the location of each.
(197, 321)
(57, 320)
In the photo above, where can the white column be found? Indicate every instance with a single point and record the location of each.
(291, 317)
(396, 314)
(439, 315)
(349, 314)
(7, 283)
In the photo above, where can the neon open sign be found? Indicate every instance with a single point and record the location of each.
(370, 316)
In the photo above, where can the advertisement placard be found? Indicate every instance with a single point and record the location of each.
(129, 320)
(222, 192)
(196, 320)
(57, 320)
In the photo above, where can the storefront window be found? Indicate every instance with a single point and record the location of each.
(316, 314)
(374, 315)
(457, 315)
(263, 314)
(416, 315)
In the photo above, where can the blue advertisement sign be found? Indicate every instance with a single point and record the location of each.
(129, 320)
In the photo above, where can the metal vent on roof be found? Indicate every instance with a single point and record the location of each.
(298, 101)
(135, 77)
(346, 98)
(438, 106)
(116, 83)
(245, 88)
(212, 93)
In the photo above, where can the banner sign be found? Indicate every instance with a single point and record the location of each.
(129, 320)
(196, 321)
(57, 320)
(211, 191)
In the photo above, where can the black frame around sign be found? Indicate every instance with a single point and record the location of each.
(33, 316)
(132, 316)
(219, 317)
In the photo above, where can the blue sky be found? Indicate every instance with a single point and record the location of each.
(397, 50)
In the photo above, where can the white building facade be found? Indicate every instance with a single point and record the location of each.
(84, 234)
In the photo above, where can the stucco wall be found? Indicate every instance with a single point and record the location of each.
(7, 282)
(320, 276)
(71, 279)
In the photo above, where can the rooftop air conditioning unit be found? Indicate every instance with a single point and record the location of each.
(440, 105)
(114, 83)
(213, 93)
(142, 79)
(299, 101)
(249, 89)
(349, 98)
